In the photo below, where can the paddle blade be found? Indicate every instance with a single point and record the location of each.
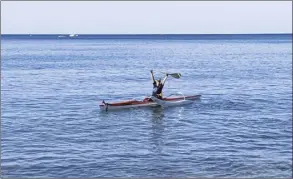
(176, 75)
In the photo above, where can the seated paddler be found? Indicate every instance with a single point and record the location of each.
(158, 86)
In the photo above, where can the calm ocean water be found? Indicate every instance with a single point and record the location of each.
(51, 125)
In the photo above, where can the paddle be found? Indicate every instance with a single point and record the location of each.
(174, 75)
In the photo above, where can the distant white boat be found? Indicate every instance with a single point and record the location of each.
(73, 35)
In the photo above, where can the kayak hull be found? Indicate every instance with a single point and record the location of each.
(171, 103)
(146, 103)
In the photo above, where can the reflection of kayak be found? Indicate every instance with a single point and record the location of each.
(148, 102)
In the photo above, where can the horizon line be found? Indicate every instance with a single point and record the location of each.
(161, 34)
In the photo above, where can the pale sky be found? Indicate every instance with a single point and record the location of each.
(145, 17)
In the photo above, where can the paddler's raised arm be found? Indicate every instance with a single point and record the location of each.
(164, 80)
(152, 76)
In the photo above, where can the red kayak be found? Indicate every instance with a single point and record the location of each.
(147, 102)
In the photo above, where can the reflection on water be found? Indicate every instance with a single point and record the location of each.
(157, 113)
(180, 113)
(157, 132)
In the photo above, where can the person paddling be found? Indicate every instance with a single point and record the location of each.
(158, 86)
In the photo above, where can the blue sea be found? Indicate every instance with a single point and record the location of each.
(52, 85)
